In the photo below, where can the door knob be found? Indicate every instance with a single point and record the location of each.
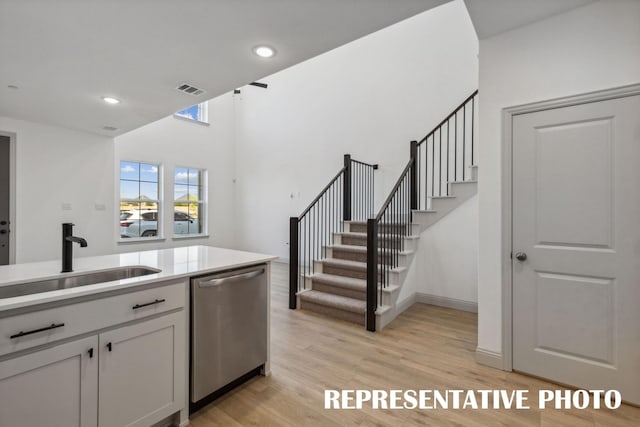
(521, 256)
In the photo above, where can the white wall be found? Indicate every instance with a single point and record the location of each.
(449, 251)
(175, 142)
(590, 48)
(56, 166)
(368, 98)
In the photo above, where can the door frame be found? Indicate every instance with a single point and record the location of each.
(12, 194)
(508, 115)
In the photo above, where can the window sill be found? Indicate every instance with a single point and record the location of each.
(175, 116)
(190, 236)
(140, 240)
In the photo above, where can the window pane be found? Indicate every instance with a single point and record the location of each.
(148, 191)
(129, 221)
(129, 190)
(139, 193)
(129, 170)
(181, 193)
(186, 219)
(148, 172)
(190, 113)
(194, 177)
(181, 176)
(194, 194)
(195, 211)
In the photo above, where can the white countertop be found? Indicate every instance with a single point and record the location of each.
(174, 263)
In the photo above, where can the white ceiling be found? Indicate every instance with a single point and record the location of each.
(491, 17)
(65, 54)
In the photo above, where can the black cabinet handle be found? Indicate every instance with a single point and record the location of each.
(90, 351)
(158, 301)
(109, 346)
(35, 331)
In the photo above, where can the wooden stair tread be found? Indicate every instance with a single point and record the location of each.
(336, 301)
(354, 265)
(363, 249)
(340, 281)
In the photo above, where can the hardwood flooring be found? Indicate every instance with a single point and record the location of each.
(426, 347)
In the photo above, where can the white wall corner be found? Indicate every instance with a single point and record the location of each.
(489, 358)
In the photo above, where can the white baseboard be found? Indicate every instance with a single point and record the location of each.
(405, 304)
(489, 358)
(447, 302)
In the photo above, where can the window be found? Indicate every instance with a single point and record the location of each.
(139, 200)
(197, 113)
(189, 207)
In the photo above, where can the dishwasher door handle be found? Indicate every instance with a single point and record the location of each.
(217, 282)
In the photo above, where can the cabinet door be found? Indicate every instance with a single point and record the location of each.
(142, 372)
(55, 387)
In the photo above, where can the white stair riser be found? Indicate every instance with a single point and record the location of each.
(463, 190)
(389, 296)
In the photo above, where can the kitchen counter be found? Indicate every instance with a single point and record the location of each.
(174, 263)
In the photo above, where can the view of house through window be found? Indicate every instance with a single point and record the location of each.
(189, 205)
(139, 199)
(196, 112)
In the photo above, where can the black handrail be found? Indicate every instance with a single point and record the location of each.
(442, 154)
(470, 97)
(324, 190)
(348, 196)
(385, 240)
(387, 202)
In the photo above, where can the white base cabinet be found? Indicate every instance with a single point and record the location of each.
(141, 372)
(131, 374)
(56, 387)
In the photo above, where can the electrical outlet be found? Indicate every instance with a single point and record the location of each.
(66, 206)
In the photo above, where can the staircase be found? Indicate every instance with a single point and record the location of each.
(339, 286)
(354, 268)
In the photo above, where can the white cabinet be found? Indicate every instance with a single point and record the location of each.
(54, 387)
(141, 378)
(130, 370)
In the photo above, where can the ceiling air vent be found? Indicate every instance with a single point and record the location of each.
(191, 90)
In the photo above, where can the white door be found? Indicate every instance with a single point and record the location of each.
(5, 166)
(576, 216)
(56, 387)
(141, 372)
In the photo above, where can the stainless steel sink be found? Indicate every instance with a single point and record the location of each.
(66, 282)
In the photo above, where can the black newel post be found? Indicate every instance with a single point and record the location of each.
(346, 193)
(293, 261)
(372, 273)
(414, 174)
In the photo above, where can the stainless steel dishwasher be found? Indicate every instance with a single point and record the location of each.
(228, 327)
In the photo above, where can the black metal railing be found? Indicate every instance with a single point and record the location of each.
(445, 154)
(348, 196)
(436, 160)
(385, 240)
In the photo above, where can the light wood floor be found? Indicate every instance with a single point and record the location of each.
(426, 347)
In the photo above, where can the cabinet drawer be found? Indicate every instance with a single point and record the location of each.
(45, 326)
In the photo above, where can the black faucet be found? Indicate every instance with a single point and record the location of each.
(67, 246)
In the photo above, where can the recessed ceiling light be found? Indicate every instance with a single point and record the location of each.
(110, 100)
(264, 51)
